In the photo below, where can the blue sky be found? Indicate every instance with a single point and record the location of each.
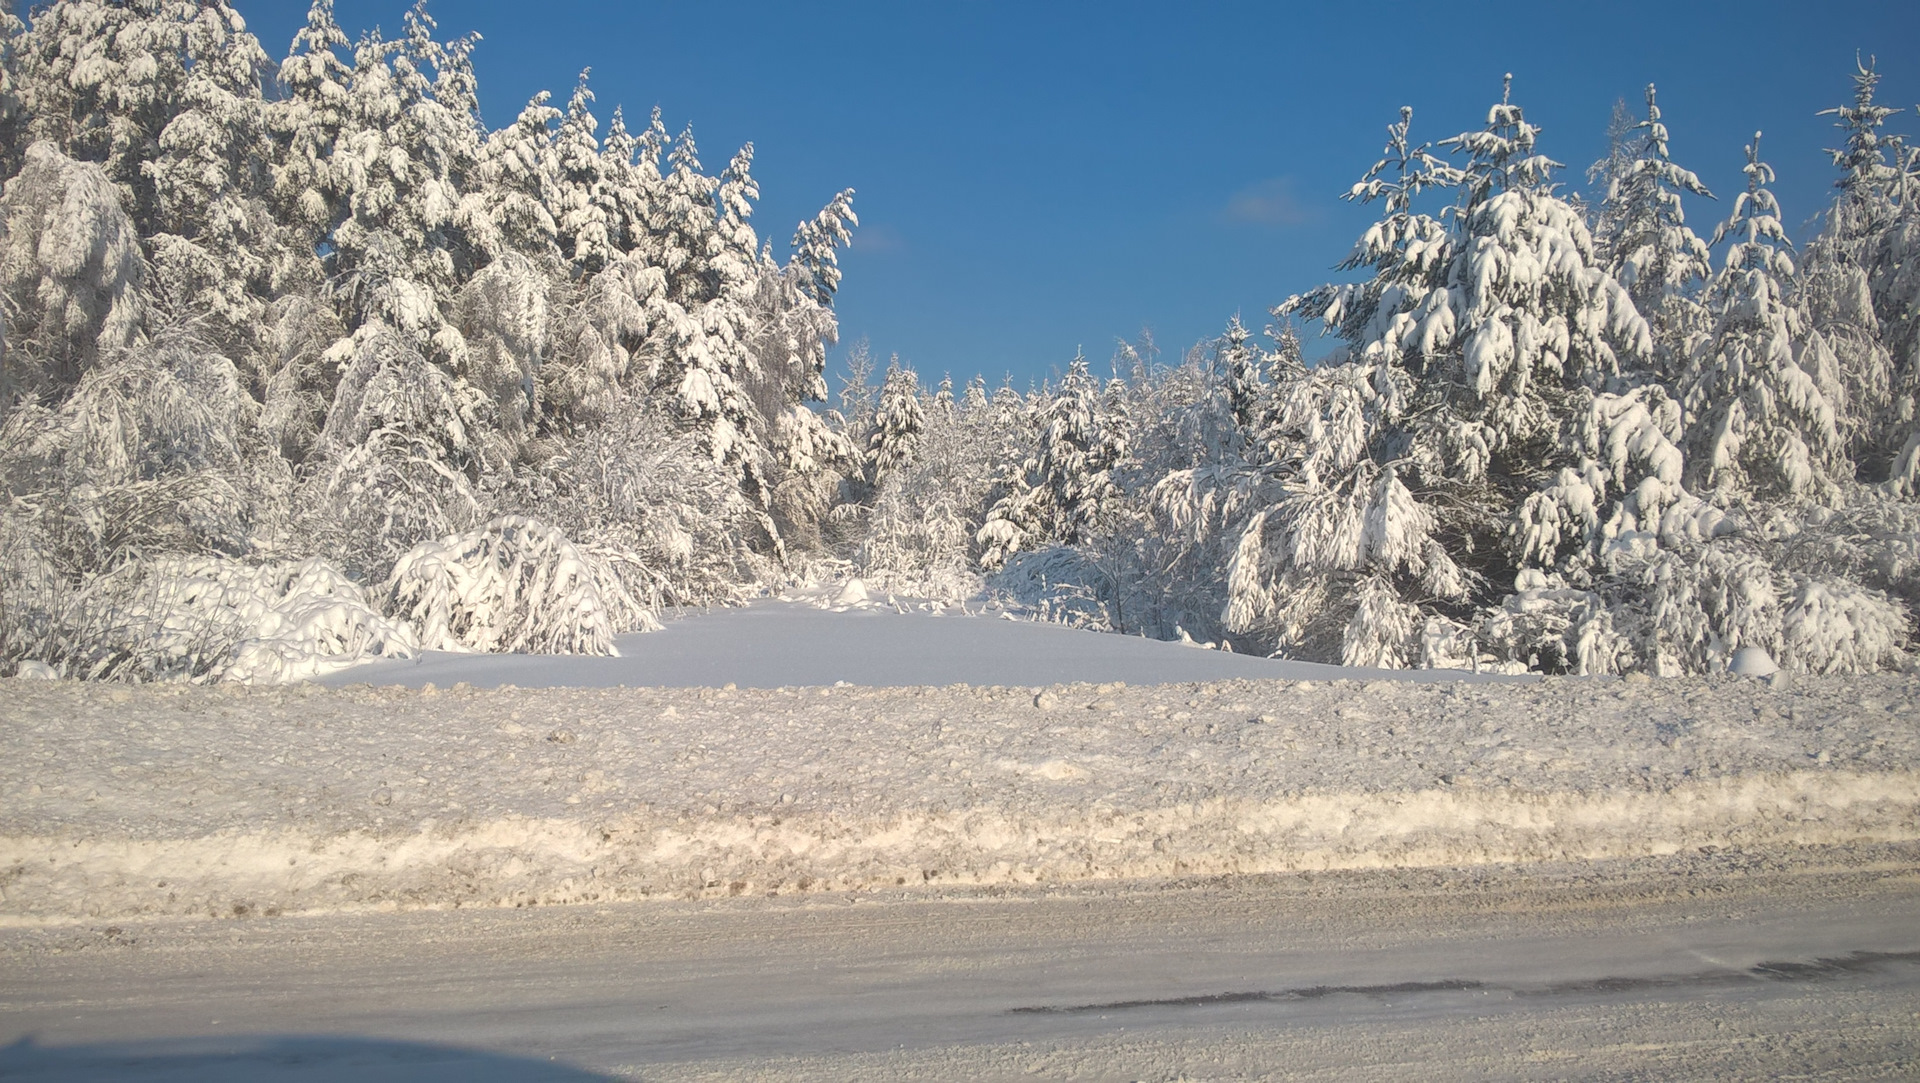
(1039, 177)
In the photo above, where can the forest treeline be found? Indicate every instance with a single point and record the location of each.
(302, 363)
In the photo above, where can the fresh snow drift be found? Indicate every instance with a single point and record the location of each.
(775, 644)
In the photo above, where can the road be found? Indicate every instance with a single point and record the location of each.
(1732, 966)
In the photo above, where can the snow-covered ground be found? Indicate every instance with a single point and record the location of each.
(118, 801)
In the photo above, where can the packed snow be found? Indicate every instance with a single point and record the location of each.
(230, 800)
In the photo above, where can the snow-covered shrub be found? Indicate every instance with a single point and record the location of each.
(1833, 626)
(307, 620)
(1872, 542)
(1546, 626)
(397, 458)
(148, 454)
(645, 500)
(1057, 584)
(189, 618)
(515, 585)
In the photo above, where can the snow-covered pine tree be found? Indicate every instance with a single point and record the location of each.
(1321, 531)
(794, 324)
(1760, 422)
(631, 165)
(102, 79)
(1896, 290)
(1646, 245)
(307, 121)
(217, 247)
(407, 238)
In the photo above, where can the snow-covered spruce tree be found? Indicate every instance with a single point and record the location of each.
(1056, 535)
(582, 221)
(1240, 369)
(898, 424)
(1646, 245)
(1761, 422)
(1500, 365)
(71, 271)
(1066, 489)
(102, 79)
(1692, 586)
(919, 535)
(1843, 265)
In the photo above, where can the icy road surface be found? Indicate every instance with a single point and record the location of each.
(771, 644)
(1721, 967)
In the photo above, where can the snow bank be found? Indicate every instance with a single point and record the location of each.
(227, 801)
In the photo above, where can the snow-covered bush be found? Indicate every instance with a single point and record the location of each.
(515, 585)
(187, 618)
(649, 504)
(307, 620)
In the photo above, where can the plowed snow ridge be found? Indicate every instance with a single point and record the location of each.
(118, 801)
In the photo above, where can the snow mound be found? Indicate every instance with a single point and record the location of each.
(851, 596)
(1752, 662)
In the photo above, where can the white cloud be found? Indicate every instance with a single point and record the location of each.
(1270, 202)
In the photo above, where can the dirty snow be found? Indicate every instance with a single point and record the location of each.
(174, 800)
